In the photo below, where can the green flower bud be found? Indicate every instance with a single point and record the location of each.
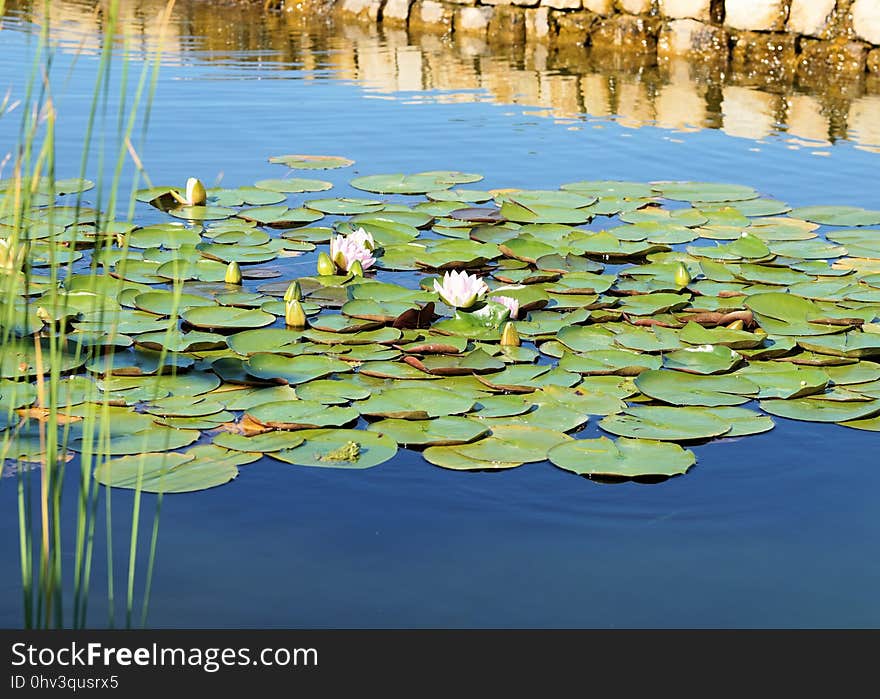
(195, 192)
(294, 292)
(682, 276)
(326, 266)
(294, 315)
(509, 336)
(233, 273)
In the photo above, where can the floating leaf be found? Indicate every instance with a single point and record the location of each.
(311, 162)
(666, 424)
(444, 431)
(346, 449)
(624, 458)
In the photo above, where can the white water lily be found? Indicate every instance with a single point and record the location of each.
(345, 250)
(510, 303)
(460, 289)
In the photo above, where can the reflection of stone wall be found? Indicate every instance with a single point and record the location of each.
(850, 29)
(766, 86)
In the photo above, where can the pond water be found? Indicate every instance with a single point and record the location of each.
(777, 529)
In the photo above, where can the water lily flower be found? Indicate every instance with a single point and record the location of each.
(346, 249)
(363, 237)
(460, 289)
(510, 303)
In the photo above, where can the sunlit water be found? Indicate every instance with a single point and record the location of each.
(779, 529)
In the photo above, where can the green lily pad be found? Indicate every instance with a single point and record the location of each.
(199, 468)
(837, 215)
(666, 423)
(293, 370)
(415, 403)
(507, 447)
(813, 409)
(705, 191)
(311, 162)
(624, 458)
(300, 415)
(704, 359)
(259, 443)
(293, 185)
(680, 388)
(346, 449)
(418, 183)
(226, 317)
(443, 431)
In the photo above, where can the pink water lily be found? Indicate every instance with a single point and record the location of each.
(508, 302)
(346, 249)
(460, 289)
(363, 238)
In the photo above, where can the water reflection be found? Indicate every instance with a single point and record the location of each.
(566, 84)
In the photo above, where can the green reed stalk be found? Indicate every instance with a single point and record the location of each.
(33, 177)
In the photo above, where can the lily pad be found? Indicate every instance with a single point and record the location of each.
(346, 449)
(443, 431)
(666, 423)
(623, 458)
(311, 162)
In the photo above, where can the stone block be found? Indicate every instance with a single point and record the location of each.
(756, 15)
(562, 4)
(635, 7)
(508, 25)
(362, 9)
(537, 24)
(518, 3)
(874, 62)
(473, 20)
(866, 20)
(396, 12)
(688, 37)
(573, 28)
(687, 9)
(600, 7)
(431, 16)
(626, 34)
(810, 17)
(839, 58)
(770, 55)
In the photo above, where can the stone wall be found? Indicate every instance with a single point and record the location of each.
(801, 36)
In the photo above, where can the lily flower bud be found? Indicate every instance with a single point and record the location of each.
(326, 266)
(294, 315)
(509, 336)
(294, 292)
(233, 273)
